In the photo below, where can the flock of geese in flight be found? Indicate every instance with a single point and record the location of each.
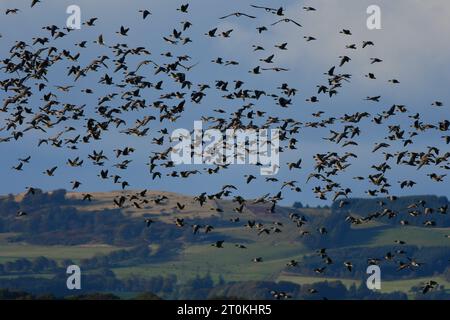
(24, 75)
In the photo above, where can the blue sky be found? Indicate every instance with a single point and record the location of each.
(412, 43)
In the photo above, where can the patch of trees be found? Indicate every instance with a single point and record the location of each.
(99, 280)
(333, 290)
(7, 294)
(297, 205)
(26, 266)
(200, 287)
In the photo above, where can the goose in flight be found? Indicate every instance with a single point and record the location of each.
(430, 285)
(34, 2)
(87, 197)
(344, 60)
(123, 31)
(21, 213)
(19, 167)
(90, 22)
(211, 33)
(238, 14)
(50, 172)
(437, 104)
(148, 222)
(367, 43)
(278, 295)
(276, 69)
(145, 13)
(287, 20)
(218, 244)
(11, 11)
(346, 32)
(348, 265)
(375, 60)
(375, 99)
(183, 8)
(292, 263)
(261, 29)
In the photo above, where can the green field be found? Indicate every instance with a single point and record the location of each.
(229, 262)
(310, 280)
(11, 252)
(412, 235)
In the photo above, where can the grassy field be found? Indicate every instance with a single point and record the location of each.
(229, 262)
(14, 251)
(412, 235)
(165, 211)
(385, 235)
(310, 280)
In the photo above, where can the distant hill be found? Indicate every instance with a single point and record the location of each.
(60, 228)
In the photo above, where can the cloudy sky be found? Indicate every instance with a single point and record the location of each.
(413, 44)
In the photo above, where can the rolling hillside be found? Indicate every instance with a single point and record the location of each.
(177, 251)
